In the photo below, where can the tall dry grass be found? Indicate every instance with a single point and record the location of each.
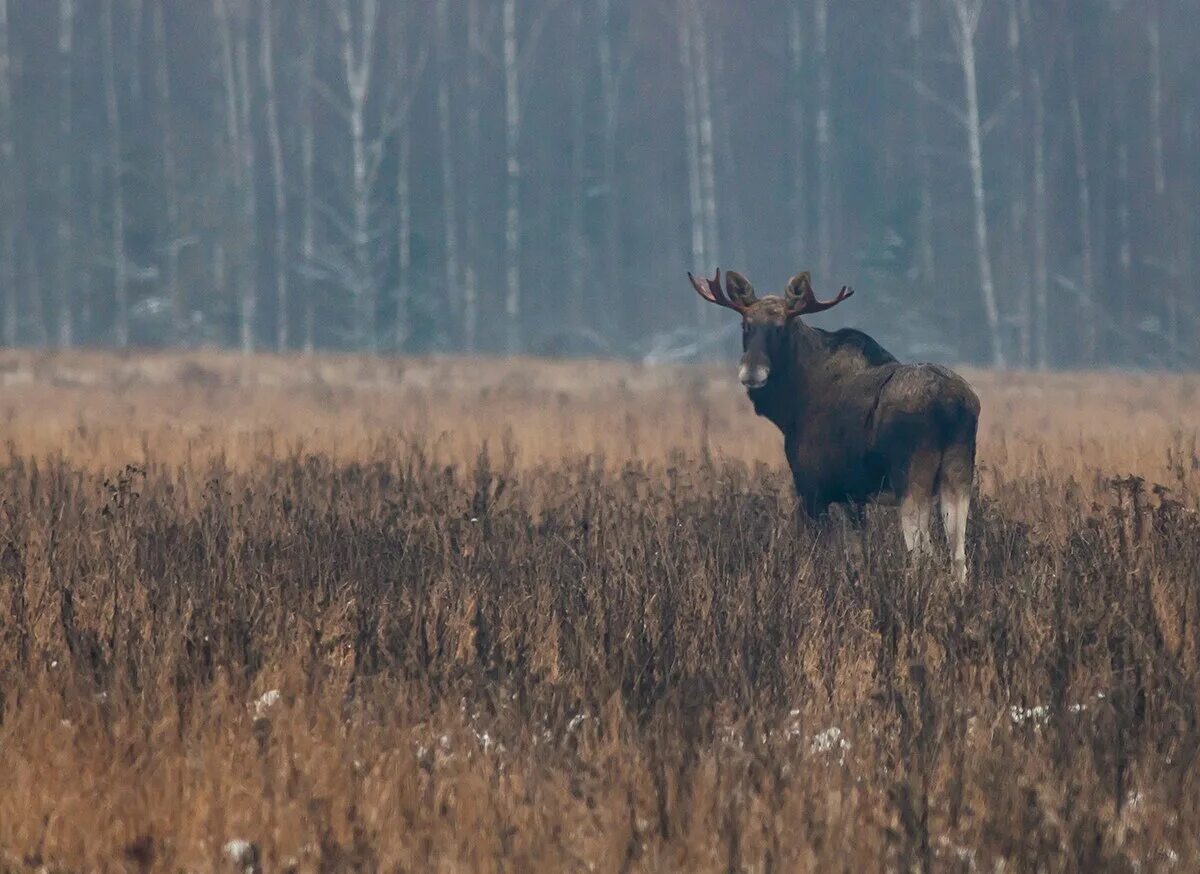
(461, 615)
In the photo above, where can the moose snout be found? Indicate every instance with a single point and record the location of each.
(753, 374)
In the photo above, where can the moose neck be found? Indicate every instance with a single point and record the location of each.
(794, 377)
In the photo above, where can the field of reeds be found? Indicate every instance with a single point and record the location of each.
(459, 615)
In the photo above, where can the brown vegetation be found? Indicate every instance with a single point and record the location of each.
(539, 616)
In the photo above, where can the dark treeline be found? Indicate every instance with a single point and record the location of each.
(1006, 181)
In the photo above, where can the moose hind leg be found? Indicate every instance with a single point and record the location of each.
(954, 495)
(916, 506)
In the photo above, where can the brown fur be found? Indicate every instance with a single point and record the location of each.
(857, 424)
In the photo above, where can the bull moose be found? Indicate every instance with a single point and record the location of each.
(857, 424)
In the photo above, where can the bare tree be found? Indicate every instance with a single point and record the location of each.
(446, 141)
(249, 202)
(577, 244)
(308, 212)
(171, 240)
(925, 251)
(825, 216)
(798, 132)
(471, 168)
(512, 189)
(275, 147)
(687, 58)
(1039, 207)
(1017, 206)
(1087, 292)
(64, 230)
(358, 52)
(112, 109)
(8, 185)
(1154, 36)
(609, 116)
(964, 26)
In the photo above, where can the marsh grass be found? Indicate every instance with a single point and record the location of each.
(454, 615)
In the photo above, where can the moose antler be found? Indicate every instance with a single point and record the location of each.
(801, 300)
(711, 290)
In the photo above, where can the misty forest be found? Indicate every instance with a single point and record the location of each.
(1005, 182)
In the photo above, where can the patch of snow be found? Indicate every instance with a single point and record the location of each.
(265, 702)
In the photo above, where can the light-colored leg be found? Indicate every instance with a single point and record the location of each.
(916, 505)
(916, 512)
(956, 505)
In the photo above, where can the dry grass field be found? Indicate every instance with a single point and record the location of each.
(452, 615)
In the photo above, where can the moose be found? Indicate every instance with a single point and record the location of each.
(857, 424)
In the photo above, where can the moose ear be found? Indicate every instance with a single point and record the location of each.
(738, 288)
(799, 288)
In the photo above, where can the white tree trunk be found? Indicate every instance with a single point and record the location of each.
(704, 119)
(1156, 95)
(308, 217)
(446, 143)
(471, 219)
(609, 108)
(926, 254)
(687, 60)
(357, 53)
(577, 248)
(120, 264)
(1017, 206)
(171, 237)
(1088, 286)
(249, 306)
(275, 147)
(403, 238)
(512, 197)
(64, 230)
(824, 139)
(966, 15)
(798, 133)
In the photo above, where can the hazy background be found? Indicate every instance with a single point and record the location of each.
(1008, 180)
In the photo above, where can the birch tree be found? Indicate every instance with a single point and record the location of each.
(266, 59)
(512, 188)
(964, 27)
(171, 240)
(64, 229)
(1087, 291)
(446, 142)
(825, 216)
(8, 185)
(358, 52)
(117, 220)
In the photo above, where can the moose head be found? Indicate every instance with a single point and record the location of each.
(764, 320)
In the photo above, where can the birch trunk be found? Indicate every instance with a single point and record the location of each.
(1017, 206)
(275, 147)
(308, 217)
(64, 230)
(1156, 95)
(799, 131)
(576, 236)
(446, 157)
(404, 238)
(357, 53)
(112, 110)
(471, 219)
(1087, 290)
(966, 22)
(249, 305)
(824, 139)
(8, 186)
(704, 118)
(692, 151)
(512, 196)
(1041, 271)
(171, 242)
(926, 253)
(609, 107)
